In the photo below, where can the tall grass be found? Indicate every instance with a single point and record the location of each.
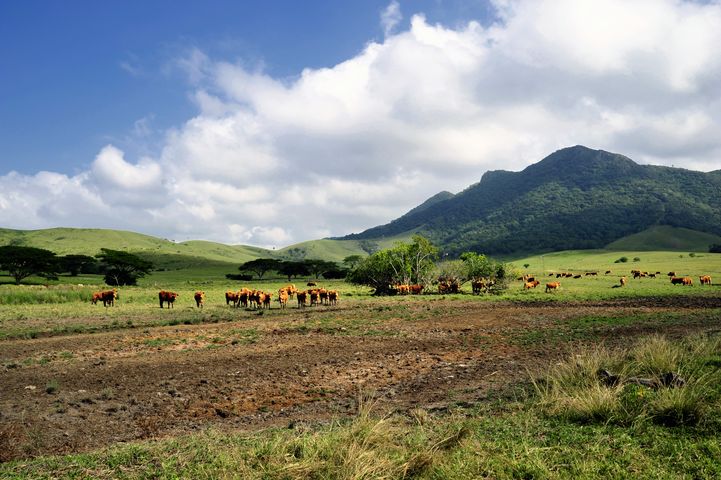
(573, 389)
(37, 294)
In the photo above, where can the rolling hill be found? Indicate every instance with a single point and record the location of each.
(576, 198)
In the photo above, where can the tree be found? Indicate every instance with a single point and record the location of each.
(319, 267)
(478, 267)
(123, 268)
(526, 265)
(405, 263)
(74, 264)
(352, 260)
(260, 266)
(21, 262)
(293, 269)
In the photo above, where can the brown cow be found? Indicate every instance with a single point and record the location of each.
(314, 295)
(416, 289)
(108, 297)
(199, 299)
(291, 290)
(705, 279)
(676, 281)
(671, 274)
(231, 297)
(333, 297)
(532, 284)
(96, 296)
(302, 297)
(311, 284)
(167, 297)
(623, 281)
(552, 286)
(687, 281)
(403, 289)
(283, 297)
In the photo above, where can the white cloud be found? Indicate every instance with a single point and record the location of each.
(391, 17)
(271, 161)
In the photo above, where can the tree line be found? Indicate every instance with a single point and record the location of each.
(118, 267)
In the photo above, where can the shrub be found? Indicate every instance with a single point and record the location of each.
(636, 259)
(622, 260)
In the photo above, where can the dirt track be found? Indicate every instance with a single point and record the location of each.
(141, 383)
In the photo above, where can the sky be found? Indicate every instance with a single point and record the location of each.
(270, 123)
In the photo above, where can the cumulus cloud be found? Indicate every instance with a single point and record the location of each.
(270, 161)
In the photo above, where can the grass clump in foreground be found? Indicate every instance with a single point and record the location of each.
(578, 390)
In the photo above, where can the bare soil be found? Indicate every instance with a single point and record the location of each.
(76, 393)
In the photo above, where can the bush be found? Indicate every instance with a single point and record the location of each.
(239, 276)
(636, 259)
(622, 260)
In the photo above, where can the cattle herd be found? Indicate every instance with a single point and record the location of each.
(252, 298)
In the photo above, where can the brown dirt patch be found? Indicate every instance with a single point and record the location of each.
(302, 366)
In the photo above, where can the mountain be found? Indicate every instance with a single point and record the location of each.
(575, 198)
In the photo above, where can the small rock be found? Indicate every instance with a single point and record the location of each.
(30, 387)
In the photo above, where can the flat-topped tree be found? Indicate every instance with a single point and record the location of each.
(22, 262)
(123, 268)
(260, 266)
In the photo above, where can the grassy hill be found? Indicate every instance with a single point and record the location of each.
(667, 238)
(576, 198)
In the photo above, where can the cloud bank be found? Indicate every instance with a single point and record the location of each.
(335, 150)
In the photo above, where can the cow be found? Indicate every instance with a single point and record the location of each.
(416, 289)
(333, 297)
(291, 290)
(314, 296)
(671, 274)
(676, 280)
(608, 272)
(311, 284)
(551, 274)
(623, 281)
(283, 297)
(552, 286)
(231, 297)
(302, 297)
(531, 284)
(108, 297)
(167, 297)
(323, 295)
(96, 296)
(568, 275)
(264, 299)
(591, 274)
(403, 289)
(199, 299)
(687, 281)
(477, 285)
(577, 276)
(705, 279)
(559, 275)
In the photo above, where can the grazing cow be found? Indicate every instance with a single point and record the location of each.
(231, 297)
(551, 274)
(591, 274)
(333, 297)
(283, 297)
(652, 275)
(415, 289)
(552, 286)
(167, 297)
(671, 274)
(559, 275)
(577, 276)
(568, 275)
(477, 286)
(623, 281)
(311, 284)
(608, 272)
(705, 279)
(96, 296)
(676, 281)
(108, 297)
(302, 297)
(687, 281)
(199, 299)
(532, 284)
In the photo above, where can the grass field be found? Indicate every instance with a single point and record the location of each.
(430, 386)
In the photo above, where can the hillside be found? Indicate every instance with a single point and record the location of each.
(665, 238)
(173, 256)
(576, 198)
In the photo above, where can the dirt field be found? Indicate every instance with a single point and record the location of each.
(74, 393)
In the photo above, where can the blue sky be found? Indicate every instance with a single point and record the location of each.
(80, 74)
(270, 123)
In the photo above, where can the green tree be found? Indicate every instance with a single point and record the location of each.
(123, 268)
(478, 266)
(260, 266)
(319, 267)
(352, 260)
(74, 264)
(293, 269)
(404, 263)
(22, 262)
